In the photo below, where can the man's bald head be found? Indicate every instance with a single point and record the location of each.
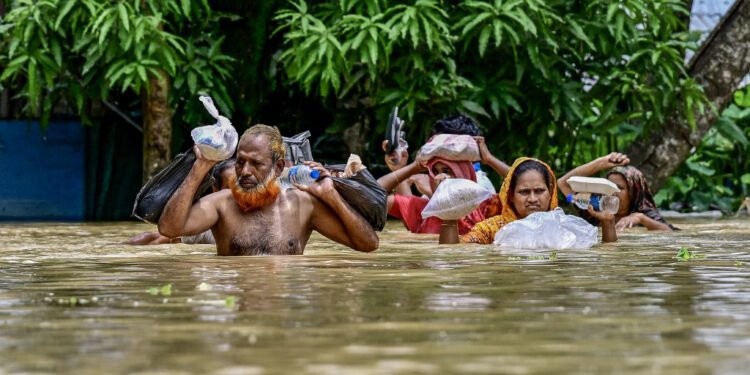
(272, 134)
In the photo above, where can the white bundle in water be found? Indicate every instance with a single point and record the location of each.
(548, 230)
(455, 198)
(218, 141)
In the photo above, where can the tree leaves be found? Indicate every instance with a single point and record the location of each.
(84, 49)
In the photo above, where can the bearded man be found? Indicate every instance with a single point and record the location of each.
(257, 217)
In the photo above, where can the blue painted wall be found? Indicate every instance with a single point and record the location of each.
(41, 172)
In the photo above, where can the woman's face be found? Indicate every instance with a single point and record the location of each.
(623, 195)
(440, 168)
(531, 194)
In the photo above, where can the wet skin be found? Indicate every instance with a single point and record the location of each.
(283, 227)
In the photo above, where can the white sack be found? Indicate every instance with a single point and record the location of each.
(548, 230)
(216, 142)
(455, 198)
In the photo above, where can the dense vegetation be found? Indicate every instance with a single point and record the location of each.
(565, 81)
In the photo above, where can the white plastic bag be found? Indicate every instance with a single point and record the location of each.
(450, 147)
(548, 230)
(216, 142)
(455, 198)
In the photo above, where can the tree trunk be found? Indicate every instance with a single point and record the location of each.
(719, 66)
(157, 126)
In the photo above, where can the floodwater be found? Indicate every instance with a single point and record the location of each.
(73, 300)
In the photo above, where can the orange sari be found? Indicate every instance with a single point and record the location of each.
(499, 206)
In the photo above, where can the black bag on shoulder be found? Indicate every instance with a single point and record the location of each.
(154, 195)
(364, 194)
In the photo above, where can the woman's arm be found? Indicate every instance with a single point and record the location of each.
(448, 232)
(488, 159)
(607, 219)
(639, 218)
(393, 179)
(593, 167)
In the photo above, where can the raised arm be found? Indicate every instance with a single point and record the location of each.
(335, 219)
(488, 159)
(593, 167)
(393, 179)
(607, 219)
(396, 160)
(181, 217)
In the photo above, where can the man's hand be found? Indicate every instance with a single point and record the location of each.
(484, 152)
(614, 159)
(201, 161)
(396, 160)
(629, 221)
(323, 186)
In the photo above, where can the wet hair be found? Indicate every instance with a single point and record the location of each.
(531, 165)
(218, 169)
(276, 143)
(459, 124)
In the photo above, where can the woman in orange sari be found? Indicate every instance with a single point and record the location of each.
(529, 187)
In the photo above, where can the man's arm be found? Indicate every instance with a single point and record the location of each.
(593, 167)
(334, 218)
(180, 216)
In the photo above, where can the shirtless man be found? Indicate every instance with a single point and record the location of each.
(256, 217)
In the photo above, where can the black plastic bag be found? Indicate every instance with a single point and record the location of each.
(154, 195)
(364, 194)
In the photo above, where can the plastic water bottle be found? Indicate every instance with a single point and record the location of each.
(298, 174)
(608, 203)
(483, 180)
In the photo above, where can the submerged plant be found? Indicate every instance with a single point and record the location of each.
(685, 254)
(164, 290)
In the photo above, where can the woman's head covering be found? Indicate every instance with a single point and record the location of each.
(641, 199)
(498, 209)
(461, 169)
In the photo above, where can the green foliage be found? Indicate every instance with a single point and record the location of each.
(564, 81)
(79, 50)
(164, 290)
(685, 254)
(717, 174)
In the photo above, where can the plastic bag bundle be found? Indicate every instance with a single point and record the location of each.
(363, 193)
(216, 142)
(450, 147)
(154, 195)
(548, 230)
(455, 198)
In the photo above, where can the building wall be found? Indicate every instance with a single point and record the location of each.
(42, 171)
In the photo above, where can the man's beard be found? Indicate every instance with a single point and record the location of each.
(263, 194)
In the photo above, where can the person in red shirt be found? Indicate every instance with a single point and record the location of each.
(407, 207)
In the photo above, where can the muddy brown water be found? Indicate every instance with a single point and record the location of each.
(73, 300)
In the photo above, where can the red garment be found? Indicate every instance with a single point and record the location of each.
(409, 210)
(461, 169)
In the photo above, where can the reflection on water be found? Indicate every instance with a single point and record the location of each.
(74, 300)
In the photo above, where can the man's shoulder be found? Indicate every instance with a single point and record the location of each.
(219, 199)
